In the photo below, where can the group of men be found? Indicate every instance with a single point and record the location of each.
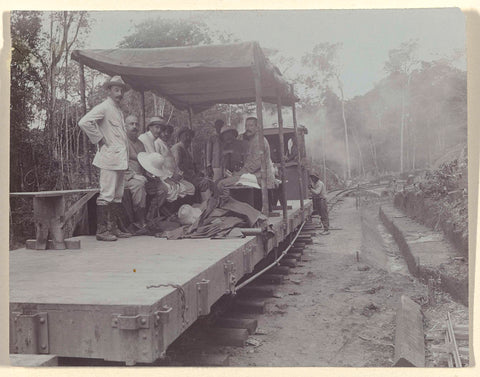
(146, 165)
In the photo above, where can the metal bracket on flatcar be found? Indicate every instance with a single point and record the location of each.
(248, 259)
(163, 316)
(202, 297)
(127, 322)
(230, 278)
(31, 332)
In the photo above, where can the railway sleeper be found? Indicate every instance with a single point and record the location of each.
(258, 291)
(288, 262)
(227, 336)
(249, 324)
(272, 278)
(250, 306)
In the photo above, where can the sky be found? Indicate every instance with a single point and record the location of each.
(366, 35)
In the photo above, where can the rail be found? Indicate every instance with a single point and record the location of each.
(261, 272)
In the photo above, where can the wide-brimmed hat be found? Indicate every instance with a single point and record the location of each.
(314, 174)
(227, 129)
(156, 120)
(249, 180)
(184, 129)
(115, 81)
(154, 163)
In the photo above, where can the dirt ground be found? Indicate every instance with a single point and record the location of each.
(336, 311)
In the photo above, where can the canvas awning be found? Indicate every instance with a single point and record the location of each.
(193, 76)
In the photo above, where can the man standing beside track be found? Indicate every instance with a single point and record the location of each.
(319, 196)
(105, 126)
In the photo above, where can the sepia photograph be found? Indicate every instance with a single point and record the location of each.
(239, 188)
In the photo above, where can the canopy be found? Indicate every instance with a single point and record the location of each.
(194, 76)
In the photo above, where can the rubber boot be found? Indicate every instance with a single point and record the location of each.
(115, 217)
(103, 233)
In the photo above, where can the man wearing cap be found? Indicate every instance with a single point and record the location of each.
(105, 127)
(213, 153)
(253, 158)
(233, 151)
(319, 197)
(136, 180)
(148, 139)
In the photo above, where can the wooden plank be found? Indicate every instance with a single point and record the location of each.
(409, 338)
(280, 270)
(44, 194)
(206, 360)
(228, 337)
(250, 305)
(48, 214)
(258, 291)
(288, 262)
(29, 360)
(78, 205)
(238, 323)
(70, 243)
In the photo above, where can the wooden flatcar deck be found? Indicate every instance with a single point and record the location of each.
(94, 302)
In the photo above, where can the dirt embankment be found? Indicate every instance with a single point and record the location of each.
(337, 311)
(436, 214)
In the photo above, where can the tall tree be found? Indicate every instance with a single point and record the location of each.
(25, 75)
(401, 63)
(324, 60)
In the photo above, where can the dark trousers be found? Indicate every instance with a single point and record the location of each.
(320, 207)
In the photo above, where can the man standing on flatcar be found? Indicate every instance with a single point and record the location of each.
(105, 127)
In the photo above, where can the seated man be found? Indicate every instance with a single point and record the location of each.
(161, 146)
(135, 179)
(186, 166)
(148, 138)
(253, 160)
(153, 144)
(233, 151)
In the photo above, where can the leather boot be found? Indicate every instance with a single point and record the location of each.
(115, 218)
(140, 224)
(205, 195)
(103, 233)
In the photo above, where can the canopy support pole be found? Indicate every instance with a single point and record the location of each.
(261, 138)
(299, 160)
(282, 159)
(83, 100)
(190, 117)
(142, 99)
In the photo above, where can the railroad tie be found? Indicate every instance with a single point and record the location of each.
(238, 323)
(280, 270)
(288, 262)
(258, 291)
(295, 250)
(250, 306)
(272, 278)
(228, 337)
(297, 256)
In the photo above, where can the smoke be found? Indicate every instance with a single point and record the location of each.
(321, 139)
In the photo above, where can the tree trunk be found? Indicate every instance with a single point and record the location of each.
(347, 149)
